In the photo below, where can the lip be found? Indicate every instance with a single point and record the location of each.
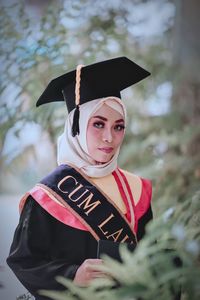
(106, 149)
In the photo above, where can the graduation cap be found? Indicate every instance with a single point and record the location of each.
(86, 83)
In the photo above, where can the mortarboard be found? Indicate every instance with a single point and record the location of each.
(86, 83)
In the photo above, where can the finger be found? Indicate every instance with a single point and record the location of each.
(98, 275)
(93, 265)
(94, 260)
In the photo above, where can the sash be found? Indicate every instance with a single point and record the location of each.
(91, 206)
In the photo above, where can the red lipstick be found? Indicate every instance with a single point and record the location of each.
(106, 149)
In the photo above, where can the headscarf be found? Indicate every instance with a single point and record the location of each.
(74, 150)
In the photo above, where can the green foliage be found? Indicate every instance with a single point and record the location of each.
(37, 49)
(165, 260)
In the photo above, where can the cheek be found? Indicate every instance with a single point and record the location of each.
(92, 133)
(119, 137)
(93, 137)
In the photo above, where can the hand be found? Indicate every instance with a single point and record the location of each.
(88, 271)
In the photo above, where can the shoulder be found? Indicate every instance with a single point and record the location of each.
(141, 188)
(132, 178)
(47, 179)
(58, 173)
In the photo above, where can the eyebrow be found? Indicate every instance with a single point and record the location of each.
(105, 119)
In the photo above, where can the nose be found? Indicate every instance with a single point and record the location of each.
(107, 135)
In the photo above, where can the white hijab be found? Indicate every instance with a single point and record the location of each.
(74, 150)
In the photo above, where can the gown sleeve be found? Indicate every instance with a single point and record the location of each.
(143, 208)
(148, 216)
(31, 257)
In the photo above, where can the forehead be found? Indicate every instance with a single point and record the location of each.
(108, 112)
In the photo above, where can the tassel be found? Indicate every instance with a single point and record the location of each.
(75, 125)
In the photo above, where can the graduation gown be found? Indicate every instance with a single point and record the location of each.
(44, 246)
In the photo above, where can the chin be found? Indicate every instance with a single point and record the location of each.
(103, 160)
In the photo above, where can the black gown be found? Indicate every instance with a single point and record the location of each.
(44, 248)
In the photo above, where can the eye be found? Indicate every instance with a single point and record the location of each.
(98, 124)
(119, 127)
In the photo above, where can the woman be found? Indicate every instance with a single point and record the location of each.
(87, 198)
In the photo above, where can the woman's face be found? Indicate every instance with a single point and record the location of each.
(105, 132)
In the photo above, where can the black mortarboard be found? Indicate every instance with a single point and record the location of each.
(102, 79)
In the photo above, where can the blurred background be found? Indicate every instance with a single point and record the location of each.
(41, 40)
